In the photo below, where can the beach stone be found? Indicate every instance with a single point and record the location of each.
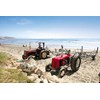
(39, 73)
(31, 62)
(35, 75)
(38, 80)
(30, 69)
(50, 78)
(32, 78)
(22, 66)
(45, 80)
(53, 79)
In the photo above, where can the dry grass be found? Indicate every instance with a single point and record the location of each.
(3, 58)
(13, 76)
(10, 75)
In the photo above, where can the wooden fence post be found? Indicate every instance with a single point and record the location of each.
(97, 50)
(81, 49)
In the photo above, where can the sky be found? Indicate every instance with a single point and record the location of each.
(50, 26)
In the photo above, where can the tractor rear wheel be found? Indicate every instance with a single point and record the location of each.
(43, 55)
(75, 63)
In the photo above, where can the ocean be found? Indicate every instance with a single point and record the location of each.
(56, 43)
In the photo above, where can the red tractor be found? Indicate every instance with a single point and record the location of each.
(41, 52)
(60, 64)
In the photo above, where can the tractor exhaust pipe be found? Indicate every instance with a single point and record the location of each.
(43, 45)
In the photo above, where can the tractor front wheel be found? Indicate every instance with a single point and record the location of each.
(62, 72)
(48, 68)
(24, 57)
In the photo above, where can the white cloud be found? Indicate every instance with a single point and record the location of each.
(46, 34)
(23, 21)
(54, 34)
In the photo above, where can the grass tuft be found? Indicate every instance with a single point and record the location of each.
(13, 76)
(3, 58)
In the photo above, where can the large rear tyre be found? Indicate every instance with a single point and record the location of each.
(75, 63)
(43, 55)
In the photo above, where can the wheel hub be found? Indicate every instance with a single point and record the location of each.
(44, 55)
(77, 63)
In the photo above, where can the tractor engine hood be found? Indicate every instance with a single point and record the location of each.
(26, 52)
(56, 60)
(30, 50)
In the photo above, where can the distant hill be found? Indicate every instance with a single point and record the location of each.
(6, 37)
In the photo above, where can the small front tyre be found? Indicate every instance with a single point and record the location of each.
(62, 73)
(48, 68)
(24, 57)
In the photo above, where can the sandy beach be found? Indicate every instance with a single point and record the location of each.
(87, 73)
